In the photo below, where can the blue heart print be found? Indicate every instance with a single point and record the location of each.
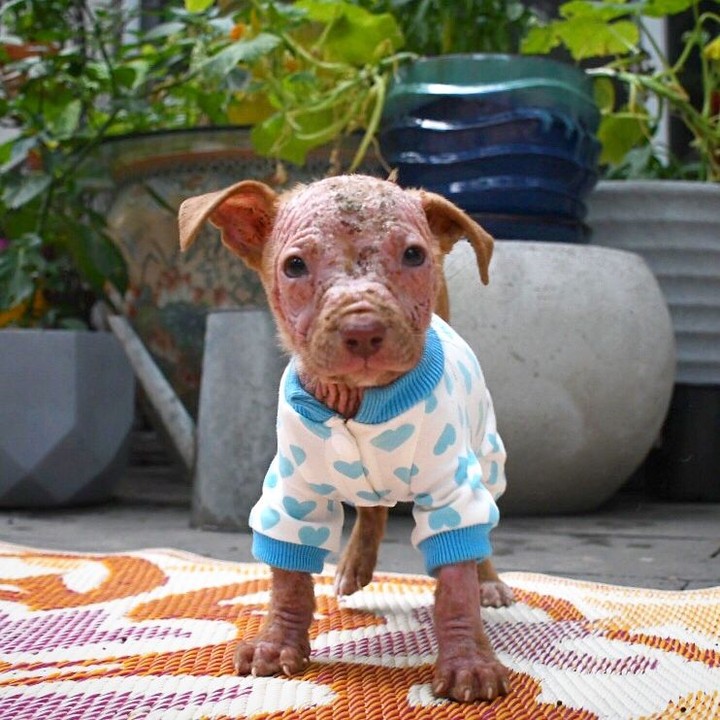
(494, 442)
(271, 479)
(406, 474)
(322, 431)
(322, 488)
(447, 439)
(430, 404)
(449, 384)
(313, 536)
(269, 518)
(466, 377)
(444, 517)
(298, 454)
(285, 466)
(353, 470)
(372, 495)
(494, 473)
(461, 472)
(392, 439)
(424, 500)
(297, 509)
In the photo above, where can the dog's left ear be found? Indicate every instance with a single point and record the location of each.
(449, 223)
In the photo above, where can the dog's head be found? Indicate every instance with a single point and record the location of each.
(352, 267)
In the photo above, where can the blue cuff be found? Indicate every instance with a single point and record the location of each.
(288, 556)
(454, 546)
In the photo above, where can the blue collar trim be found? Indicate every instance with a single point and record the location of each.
(378, 404)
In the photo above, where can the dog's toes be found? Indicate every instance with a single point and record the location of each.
(351, 577)
(471, 679)
(243, 659)
(261, 659)
(495, 593)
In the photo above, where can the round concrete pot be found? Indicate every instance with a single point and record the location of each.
(578, 351)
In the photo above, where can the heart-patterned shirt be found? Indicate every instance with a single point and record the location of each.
(429, 438)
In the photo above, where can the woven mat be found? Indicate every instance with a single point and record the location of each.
(150, 635)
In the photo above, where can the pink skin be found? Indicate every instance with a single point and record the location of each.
(352, 271)
(360, 280)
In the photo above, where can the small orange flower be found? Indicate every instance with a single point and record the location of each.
(238, 31)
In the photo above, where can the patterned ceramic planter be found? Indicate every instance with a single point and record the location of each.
(171, 293)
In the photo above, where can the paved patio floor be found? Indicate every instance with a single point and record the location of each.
(631, 541)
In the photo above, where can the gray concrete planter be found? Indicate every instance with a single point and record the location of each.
(578, 352)
(675, 227)
(66, 411)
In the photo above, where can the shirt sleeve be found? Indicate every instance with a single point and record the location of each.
(294, 527)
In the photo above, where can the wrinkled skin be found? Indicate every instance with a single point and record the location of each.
(352, 267)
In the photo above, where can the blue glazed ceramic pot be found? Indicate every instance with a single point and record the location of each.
(499, 135)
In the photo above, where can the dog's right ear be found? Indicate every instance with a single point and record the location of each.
(244, 212)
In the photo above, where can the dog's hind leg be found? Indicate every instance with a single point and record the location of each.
(493, 591)
(357, 563)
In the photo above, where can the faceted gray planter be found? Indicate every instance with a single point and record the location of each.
(675, 227)
(66, 410)
(578, 352)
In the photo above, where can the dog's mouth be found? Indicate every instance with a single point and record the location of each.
(364, 346)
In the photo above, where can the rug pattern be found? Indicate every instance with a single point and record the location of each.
(149, 635)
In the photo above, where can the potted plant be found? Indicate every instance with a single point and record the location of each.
(66, 394)
(508, 138)
(283, 92)
(664, 209)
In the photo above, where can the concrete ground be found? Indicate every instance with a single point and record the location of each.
(631, 541)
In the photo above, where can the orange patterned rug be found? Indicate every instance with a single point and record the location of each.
(149, 635)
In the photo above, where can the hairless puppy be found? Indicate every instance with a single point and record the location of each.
(382, 401)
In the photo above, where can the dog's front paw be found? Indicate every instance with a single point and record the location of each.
(267, 657)
(470, 676)
(495, 593)
(353, 573)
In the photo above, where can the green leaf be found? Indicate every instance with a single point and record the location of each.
(275, 136)
(661, 8)
(540, 40)
(165, 30)
(198, 6)
(15, 152)
(712, 50)
(95, 256)
(586, 38)
(619, 134)
(356, 36)
(16, 195)
(604, 94)
(246, 51)
(66, 122)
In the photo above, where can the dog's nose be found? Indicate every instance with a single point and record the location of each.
(363, 336)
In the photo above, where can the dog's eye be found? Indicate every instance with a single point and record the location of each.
(414, 256)
(295, 267)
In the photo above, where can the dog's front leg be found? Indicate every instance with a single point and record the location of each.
(355, 569)
(466, 668)
(283, 644)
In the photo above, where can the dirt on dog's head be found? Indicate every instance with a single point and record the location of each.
(352, 267)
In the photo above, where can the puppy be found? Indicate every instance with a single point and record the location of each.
(381, 402)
